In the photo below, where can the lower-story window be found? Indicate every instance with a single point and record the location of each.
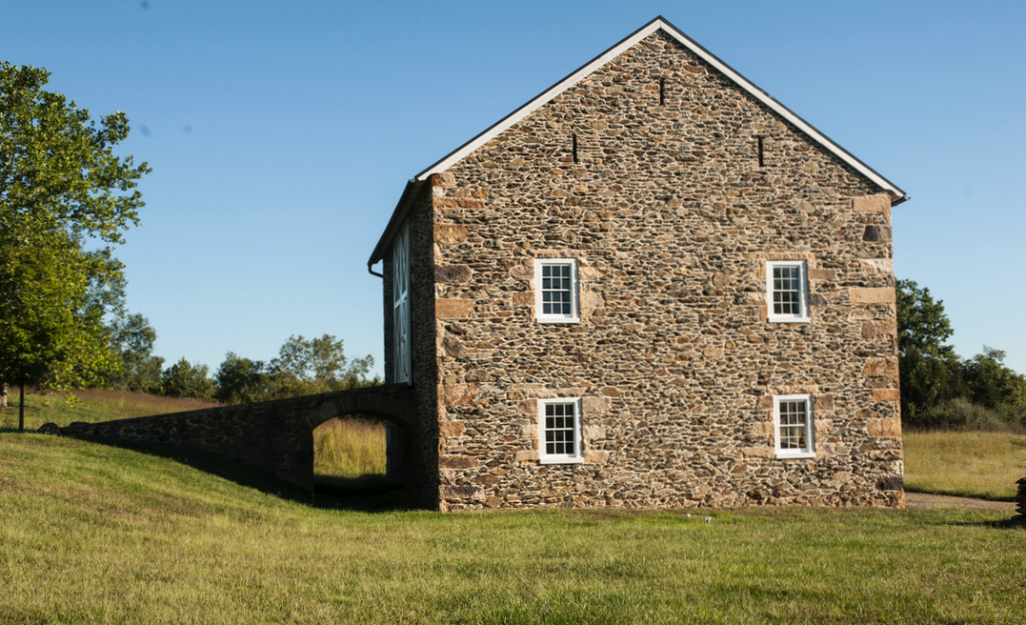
(559, 430)
(792, 416)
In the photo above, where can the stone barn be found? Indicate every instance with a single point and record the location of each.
(653, 285)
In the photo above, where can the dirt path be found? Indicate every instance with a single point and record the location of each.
(922, 501)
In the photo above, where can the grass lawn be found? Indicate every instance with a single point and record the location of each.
(968, 464)
(97, 534)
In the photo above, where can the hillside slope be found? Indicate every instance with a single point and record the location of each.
(98, 534)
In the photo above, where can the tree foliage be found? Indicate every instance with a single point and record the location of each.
(132, 338)
(302, 367)
(185, 379)
(937, 387)
(60, 183)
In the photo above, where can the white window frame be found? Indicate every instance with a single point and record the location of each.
(809, 451)
(803, 297)
(541, 317)
(577, 456)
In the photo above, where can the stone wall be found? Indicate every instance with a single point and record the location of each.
(672, 220)
(274, 436)
(413, 453)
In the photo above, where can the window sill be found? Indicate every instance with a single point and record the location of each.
(788, 319)
(562, 461)
(558, 319)
(795, 455)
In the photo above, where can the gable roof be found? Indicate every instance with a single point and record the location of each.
(659, 23)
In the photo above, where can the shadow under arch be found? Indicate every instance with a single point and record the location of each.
(266, 445)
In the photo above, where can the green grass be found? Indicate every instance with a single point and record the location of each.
(94, 405)
(98, 534)
(967, 464)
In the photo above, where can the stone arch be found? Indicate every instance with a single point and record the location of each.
(398, 410)
(273, 436)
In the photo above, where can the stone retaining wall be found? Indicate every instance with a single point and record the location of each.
(275, 436)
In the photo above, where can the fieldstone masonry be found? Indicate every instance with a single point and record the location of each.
(671, 219)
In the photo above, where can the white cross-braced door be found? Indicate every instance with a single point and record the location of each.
(401, 356)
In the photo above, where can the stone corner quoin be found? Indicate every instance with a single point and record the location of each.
(671, 189)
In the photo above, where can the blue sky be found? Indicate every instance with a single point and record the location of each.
(281, 135)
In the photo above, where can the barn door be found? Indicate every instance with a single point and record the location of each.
(401, 356)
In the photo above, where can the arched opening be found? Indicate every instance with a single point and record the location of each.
(350, 457)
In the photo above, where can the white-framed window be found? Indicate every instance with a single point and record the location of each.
(555, 286)
(559, 431)
(787, 291)
(792, 422)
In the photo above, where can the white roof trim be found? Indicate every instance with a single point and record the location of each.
(657, 24)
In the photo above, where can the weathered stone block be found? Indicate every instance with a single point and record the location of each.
(596, 457)
(451, 428)
(521, 272)
(890, 482)
(822, 274)
(877, 295)
(453, 308)
(884, 428)
(594, 406)
(460, 492)
(881, 367)
(457, 462)
(452, 273)
(759, 452)
(445, 179)
(523, 299)
(877, 233)
(879, 329)
(458, 394)
(458, 202)
(876, 203)
(887, 394)
(453, 347)
(446, 233)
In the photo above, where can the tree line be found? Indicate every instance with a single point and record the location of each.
(303, 367)
(941, 389)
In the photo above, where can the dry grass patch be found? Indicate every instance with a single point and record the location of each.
(93, 405)
(968, 464)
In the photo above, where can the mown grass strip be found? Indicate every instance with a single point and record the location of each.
(99, 534)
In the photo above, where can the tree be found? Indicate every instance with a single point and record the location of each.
(60, 184)
(184, 379)
(241, 380)
(992, 384)
(319, 365)
(929, 370)
(132, 338)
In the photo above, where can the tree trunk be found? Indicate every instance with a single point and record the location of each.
(3, 395)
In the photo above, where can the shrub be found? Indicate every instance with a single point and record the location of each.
(962, 414)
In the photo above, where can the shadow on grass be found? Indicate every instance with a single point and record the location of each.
(370, 493)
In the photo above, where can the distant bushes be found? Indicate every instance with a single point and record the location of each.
(962, 414)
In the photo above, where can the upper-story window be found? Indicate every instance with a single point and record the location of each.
(555, 281)
(787, 293)
(793, 423)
